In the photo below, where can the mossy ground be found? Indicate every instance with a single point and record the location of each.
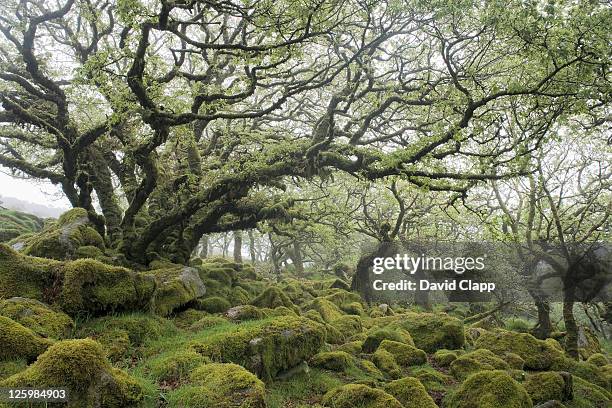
(161, 342)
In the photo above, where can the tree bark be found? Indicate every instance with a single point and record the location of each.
(297, 259)
(238, 246)
(571, 338)
(252, 251)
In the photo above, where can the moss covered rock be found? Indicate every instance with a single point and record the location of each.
(430, 331)
(538, 355)
(376, 335)
(489, 389)
(93, 288)
(80, 366)
(173, 366)
(404, 354)
(353, 308)
(352, 347)
(385, 361)
(244, 312)
(588, 395)
(123, 335)
(597, 359)
(207, 322)
(348, 325)
(61, 240)
(19, 342)
(272, 297)
(328, 310)
(478, 360)
(37, 316)
(214, 304)
(410, 393)
(332, 360)
(443, 357)
(359, 395)
(547, 386)
(265, 347)
(12, 367)
(26, 276)
(220, 385)
(175, 287)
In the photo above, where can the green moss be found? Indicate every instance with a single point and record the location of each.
(359, 396)
(444, 358)
(386, 363)
(405, 354)
(80, 366)
(37, 316)
(91, 287)
(89, 251)
(187, 317)
(213, 304)
(588, 395)
(597, 359)
(244, 312)
(332, 360)
(207, 322)
(333, 335)
(123, 335)
(352, 347)
(19, 342)
(61, 240)
(410, 393)
(582, 369)
(229, 386)
(314, 315)
(272, 297)
(489, 389)
(340, 296)
(11, 367)
(376, 335)
(348, 325)
(353, 308)
(301, 390)
(430, 331)
(265, 347)
(546, 386)
(515, 361)
(239, 296)
(25, 276)
(433, 381)
(279, 311)
(478, 360)
(328, 310)
(173, 366)
(175, 288)
(370, 369)
(538, 355)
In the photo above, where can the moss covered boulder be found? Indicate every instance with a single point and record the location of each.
(489, 389)
(359, 395)
(80, 366)
(430, 331)
(174, 366)
(332, 360)
(410, 393)
(264, 347)
(175, 287)
(62, 239)
(122, 335)
(15, 223)
(348, 325)
(272, 297)
(26, 276)
(386, 363)
(547, 386)
(538, 354)
(213, 304)
(19, 342)
(478, 360)
(405, 354)
(244, 312)
(328, 310)
(91, 287)
(37, 316)
(444, 358)
(377, 335)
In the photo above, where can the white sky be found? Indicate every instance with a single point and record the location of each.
(39, 192)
